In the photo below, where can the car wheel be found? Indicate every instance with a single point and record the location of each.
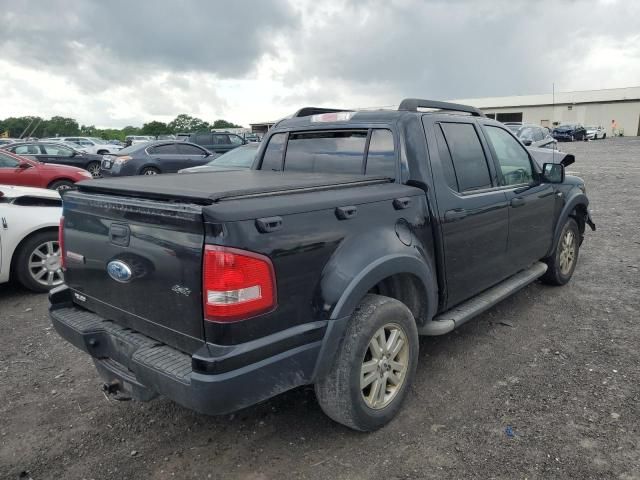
(37, 264)
(604, 136)
(372, 372)
(61, 185)
(94, 169)
(564, 260)
(149, 171)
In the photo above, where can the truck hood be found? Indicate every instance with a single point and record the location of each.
(547, 155)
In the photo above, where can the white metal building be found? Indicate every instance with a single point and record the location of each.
(588, 107)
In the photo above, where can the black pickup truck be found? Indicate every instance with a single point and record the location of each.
(354, 233)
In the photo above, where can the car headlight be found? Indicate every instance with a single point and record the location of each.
(122, 159)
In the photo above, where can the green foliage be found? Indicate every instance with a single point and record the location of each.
(220, 123)
(154, 128)
(63, 127)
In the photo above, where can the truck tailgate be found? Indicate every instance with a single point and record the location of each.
(137, 262)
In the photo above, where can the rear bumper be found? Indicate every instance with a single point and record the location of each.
(146, 368)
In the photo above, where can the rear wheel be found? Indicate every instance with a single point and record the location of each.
(94, 169)
(604, 136)
(61, 185)
(37, 264)
(563, 262)
(149, 171)
(374, 368)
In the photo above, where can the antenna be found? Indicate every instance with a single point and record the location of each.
(553, 114)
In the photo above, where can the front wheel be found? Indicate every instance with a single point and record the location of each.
(563, 262)
(94, 169)
(374, 368)
(149, 171)
(61, 185)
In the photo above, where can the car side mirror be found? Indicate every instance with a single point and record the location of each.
(24, 165)
(527, 142)
(553, 173)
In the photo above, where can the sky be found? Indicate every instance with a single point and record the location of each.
(116, 63)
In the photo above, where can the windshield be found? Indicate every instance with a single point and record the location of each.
(238, 157)
(514, 128)
(131, 149)
(525, 133)
(97, 140)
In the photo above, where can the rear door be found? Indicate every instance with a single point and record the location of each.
(532, 204)
(472, 208)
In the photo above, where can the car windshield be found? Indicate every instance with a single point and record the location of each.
(514, 128)
(131, 149)
(98, 140)
(525, 133)
(238, 157)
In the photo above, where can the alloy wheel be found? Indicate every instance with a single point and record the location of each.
(567, 252)
(45, 266)
(384, 366)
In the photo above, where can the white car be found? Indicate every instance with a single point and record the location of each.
(29, 249)
(93, 145)
(594, 133)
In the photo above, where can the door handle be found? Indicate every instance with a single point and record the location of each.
(456, 214)
(517, 202)
(345, 213)
(269, 224)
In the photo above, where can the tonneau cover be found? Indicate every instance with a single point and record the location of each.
(209, 188)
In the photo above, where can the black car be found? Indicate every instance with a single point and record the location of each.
(58, 153)
(217, 142)
(153, 158)
(569, 132)
(220, 291)
(237, 159)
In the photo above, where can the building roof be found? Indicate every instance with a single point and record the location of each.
(583, 96)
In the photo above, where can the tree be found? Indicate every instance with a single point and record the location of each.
(26, 126)
(154, 128)
(89, 130)
(61, 127)
(220, 123)
(184, 123)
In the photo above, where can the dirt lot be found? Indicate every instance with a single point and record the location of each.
(552, 392)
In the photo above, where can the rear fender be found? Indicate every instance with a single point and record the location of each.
(363, 261)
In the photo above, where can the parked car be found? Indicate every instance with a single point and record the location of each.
(322, 272)
(166, 137)
(533, 135)
(29, 249)
(58, 153)
(96, 146)
(137, 139)
(7, 141)
(237, 159)
(152, 158)
(569, 132)
(594, 133)
(217, 142)
(513, 126)
(117, 143)
(16, 170)
(252, 137)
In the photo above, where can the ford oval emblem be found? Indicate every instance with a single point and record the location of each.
(119, 271)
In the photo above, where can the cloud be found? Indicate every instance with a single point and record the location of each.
(112, 62)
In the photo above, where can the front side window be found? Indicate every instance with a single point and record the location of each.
(272, 159)
(381, 157)
(514, 162)
(326, 152)
(186, 149)
(469, 161)
(235, 140)
(221, 140)
(8, 162)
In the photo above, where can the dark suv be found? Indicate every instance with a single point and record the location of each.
(217, 142)
(220, 290)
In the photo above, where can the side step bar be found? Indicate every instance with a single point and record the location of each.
(447, 321)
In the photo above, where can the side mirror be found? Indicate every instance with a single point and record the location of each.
(24, 165)
(527, 142)
(553, 173)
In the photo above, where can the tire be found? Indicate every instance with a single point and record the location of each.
(102, 152)
(149, 171)
(39, 247)
(559, 271)
(61, 185)
(604, 136)
(339, 392)
(94, 169)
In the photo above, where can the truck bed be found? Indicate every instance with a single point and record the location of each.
(210, 188)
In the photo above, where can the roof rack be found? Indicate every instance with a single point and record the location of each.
(413, 104)
(308, 111)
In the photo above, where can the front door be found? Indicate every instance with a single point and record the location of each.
(532, 204)
(12, 174)
(472, 209)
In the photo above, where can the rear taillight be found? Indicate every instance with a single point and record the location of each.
(61, 243)
(236, 284)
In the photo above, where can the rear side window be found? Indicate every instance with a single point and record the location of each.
(169, 149)
(445, 160)
(326, 152)
(272, 159)
(469, 161)
(381, 158)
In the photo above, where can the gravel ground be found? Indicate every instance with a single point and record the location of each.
(545, 385)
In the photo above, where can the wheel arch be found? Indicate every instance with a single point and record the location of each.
(60, 179)
(18, 247)
(576, 207)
